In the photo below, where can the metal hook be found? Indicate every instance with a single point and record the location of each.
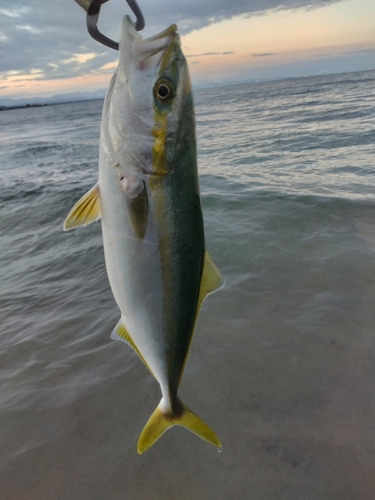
(92, 7)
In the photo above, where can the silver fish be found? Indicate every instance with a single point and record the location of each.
(148, 200)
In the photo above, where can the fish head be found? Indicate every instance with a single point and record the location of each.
(144, 102)
(174, 127)
(139, 63)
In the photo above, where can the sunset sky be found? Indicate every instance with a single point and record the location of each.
(45, 48)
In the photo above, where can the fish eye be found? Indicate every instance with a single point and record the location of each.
(164, 91)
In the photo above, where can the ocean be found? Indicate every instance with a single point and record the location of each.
(283, 360)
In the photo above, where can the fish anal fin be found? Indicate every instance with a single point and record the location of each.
(137, 210)
(121, 333)
(159, 422)
(85, 211)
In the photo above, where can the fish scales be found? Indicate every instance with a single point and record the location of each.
(148, 200)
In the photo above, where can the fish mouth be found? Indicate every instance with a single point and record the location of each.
(143, 54)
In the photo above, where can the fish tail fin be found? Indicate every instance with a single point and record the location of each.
(159, 422)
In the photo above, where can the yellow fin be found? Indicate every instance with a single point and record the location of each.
(211, 281)
(120, 333)
(85, 211)
(159, 422)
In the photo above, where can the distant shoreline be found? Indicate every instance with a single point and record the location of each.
(19, 106)
(72, 98)
(39, 105)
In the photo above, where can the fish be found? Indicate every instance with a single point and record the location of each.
(148, 199)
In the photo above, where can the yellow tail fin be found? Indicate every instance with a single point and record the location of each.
(159, 422)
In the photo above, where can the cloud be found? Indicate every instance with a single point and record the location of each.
(46, 34)
(211, 54)
(13, 12)
(80, 58)
(30, 29)
(264, 54)
(361, 51)
(196, 14)
(326, 54)
(44, 37)
(343, 53)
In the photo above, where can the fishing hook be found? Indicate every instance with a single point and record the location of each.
(92, 7)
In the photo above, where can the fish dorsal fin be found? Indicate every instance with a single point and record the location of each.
(137, 210)
(211, 281)
(85, 211)
(121, 333)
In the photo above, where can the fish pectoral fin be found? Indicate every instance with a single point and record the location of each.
(85, 211)
(137, 211)
(159, 422)
(121, 333)
(211, 281)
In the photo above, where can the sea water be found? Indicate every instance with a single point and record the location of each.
(282, 365)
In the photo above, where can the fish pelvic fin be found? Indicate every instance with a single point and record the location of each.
(160, 421)
(85, 211)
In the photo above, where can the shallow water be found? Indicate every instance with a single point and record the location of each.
(283, 360)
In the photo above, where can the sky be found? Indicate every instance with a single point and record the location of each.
(46, 50)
